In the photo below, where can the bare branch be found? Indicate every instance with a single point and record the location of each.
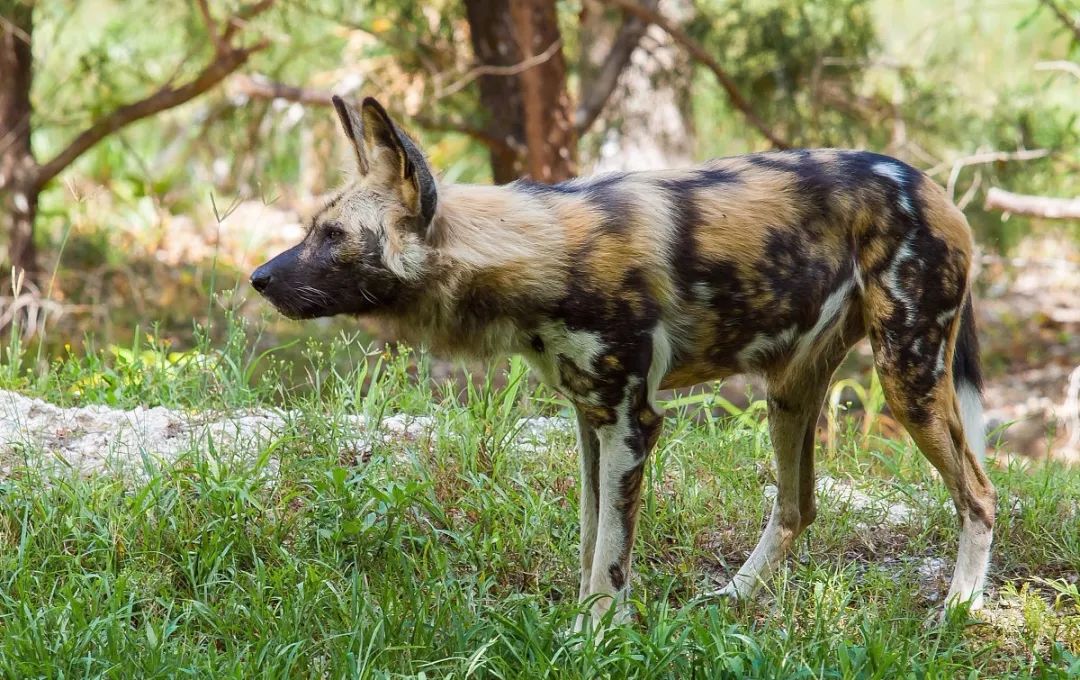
(260, 87)
(700, 54)
(18, 32)
(595, 94)
(240, 20)
(1033, 206)
(211, 26)
(1070, 67)
(983, 158)
(227, 60)
(1064, 17)
(492, 70)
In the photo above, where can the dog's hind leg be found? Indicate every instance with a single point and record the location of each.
(794, 404)
(931, 384)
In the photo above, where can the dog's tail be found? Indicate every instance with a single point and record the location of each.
(967, 378)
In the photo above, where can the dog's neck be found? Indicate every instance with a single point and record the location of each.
(498, 260)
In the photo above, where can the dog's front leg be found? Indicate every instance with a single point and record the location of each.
(624, 449)
(589, 506)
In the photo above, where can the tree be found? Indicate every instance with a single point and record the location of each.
(22, 176)
(1042, 206)
(527, 116)
(18, 170)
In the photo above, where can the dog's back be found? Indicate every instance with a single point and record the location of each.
(752, 261)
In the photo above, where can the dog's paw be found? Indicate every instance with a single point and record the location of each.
(729, 594)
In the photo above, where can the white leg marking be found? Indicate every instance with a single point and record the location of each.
(759, 566)
(616, 459)
(971, 563)
(588, 503)
(587, 511)
(975, 537)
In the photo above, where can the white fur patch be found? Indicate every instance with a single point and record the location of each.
(904, 253)
(834, 307)
(939, 363)
(702, 291)
(896, 174)
(616, 459)
(408, 263)
(945, 317)
(581, 346)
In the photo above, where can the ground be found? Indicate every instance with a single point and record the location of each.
(367, 527)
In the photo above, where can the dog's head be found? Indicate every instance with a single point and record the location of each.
(368, 246)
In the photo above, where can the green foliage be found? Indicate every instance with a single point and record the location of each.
(799, 63)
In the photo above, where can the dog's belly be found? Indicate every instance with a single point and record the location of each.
(764, 336)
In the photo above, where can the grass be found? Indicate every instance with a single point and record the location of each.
(454, 555)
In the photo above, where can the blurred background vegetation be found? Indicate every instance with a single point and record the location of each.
(151, 153)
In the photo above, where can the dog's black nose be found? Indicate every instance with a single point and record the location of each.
(261, 278)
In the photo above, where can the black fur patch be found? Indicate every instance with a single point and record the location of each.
(618, 579)
(966, 369)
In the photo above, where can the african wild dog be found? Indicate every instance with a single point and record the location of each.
(621, 285)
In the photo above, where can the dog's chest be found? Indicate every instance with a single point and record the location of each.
(569, 361)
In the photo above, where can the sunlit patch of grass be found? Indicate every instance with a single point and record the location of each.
(453, 554)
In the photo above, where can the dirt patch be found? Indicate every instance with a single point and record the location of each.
(91, 440)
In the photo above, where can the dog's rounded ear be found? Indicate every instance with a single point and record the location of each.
(416, 181)
(354, 130)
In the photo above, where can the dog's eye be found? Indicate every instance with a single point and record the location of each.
(332, 232)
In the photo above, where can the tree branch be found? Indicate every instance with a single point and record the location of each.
(260, 87)
(1072, 68)
(227, 60)
(700, 54)
(1064, 17)
(983, 158)
(1033, 206)
(492, 70)
(595, 94)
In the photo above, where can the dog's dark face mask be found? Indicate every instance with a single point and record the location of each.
(368, 247)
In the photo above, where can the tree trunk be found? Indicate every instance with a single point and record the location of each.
(19, 187)
(549, 115)
(530, 108)
(492, 34)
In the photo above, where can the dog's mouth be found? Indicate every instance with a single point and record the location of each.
(297, 306)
